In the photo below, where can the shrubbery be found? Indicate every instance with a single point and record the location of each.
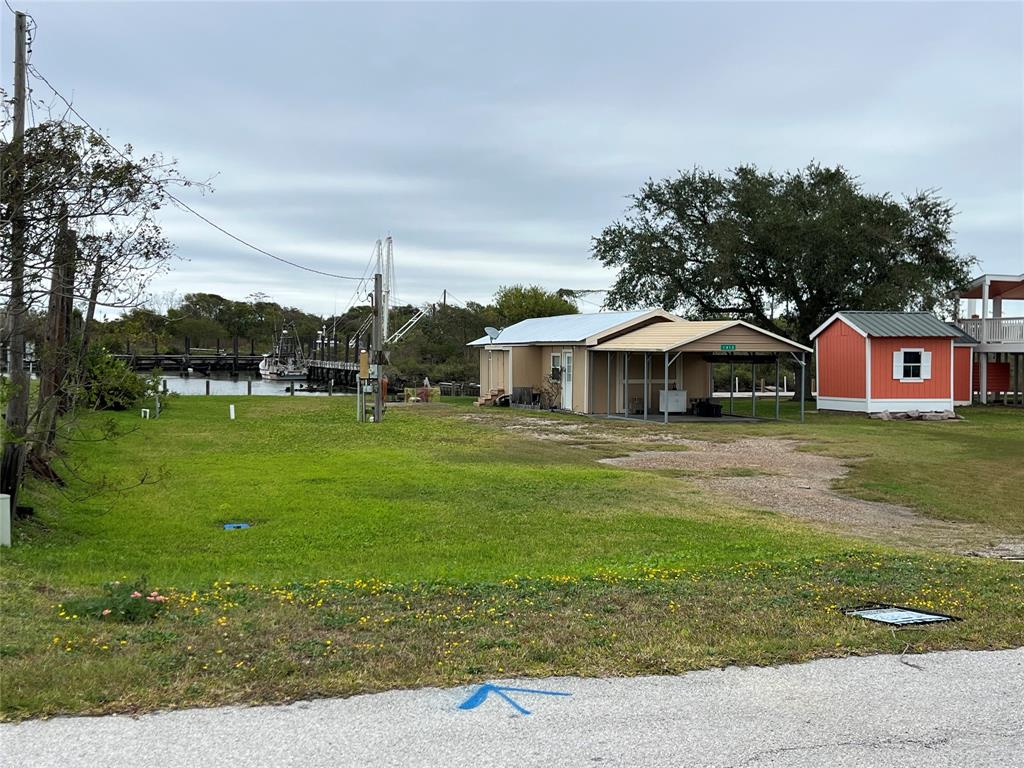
(112, 386)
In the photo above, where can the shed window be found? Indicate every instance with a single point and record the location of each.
(912, 365)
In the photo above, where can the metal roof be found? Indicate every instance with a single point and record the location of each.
(962, 336)
(891, 324)
(655, 338)
(563, 329)
(665, 337)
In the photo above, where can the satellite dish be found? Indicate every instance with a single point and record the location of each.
(492, 333)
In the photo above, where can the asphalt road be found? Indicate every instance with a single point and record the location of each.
(936, 710)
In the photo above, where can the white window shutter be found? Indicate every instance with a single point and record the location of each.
(897, 364)
(926, 365)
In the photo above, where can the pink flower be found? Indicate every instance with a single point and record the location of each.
(106, 611)
(154, 593)
(136, 594)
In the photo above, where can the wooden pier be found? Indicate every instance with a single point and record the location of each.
(198, 362)
(337, 371)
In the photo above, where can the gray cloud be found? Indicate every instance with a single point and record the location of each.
(493, 141)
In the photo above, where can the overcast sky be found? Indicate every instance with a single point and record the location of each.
(493, 141)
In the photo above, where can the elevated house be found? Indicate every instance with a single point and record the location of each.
(871, 362)
(1000, 337)
(644, 363)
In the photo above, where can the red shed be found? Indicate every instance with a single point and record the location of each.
(891, 361)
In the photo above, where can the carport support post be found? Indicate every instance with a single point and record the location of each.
(803, 374)
(753, 389)
(608, 392)
(647, 377)
(664, 395)
(732, 384)
(625, 385)
(590, 357)
(776, 386)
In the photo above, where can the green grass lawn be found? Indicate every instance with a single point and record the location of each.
(435, 549)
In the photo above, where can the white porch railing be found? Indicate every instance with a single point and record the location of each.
(997, 329)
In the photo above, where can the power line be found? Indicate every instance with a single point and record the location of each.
(35, 72)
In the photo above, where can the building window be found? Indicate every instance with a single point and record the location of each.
(556, 367)
(911, 364)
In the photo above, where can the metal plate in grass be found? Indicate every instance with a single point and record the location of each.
(235, 526)
(897, 615)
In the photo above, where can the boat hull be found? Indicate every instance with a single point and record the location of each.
(283, 375)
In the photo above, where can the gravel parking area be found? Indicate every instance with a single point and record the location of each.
(775, 474)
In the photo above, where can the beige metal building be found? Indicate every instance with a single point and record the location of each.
(634, 364)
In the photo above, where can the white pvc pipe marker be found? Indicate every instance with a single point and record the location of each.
(231, 411)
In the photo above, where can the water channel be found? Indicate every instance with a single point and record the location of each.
(223, 383)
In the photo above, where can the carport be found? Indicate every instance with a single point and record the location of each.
(678, 358)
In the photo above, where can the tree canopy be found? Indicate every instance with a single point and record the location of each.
(519, 302)
(784, 250)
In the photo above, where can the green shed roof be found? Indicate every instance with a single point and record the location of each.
(898, 323)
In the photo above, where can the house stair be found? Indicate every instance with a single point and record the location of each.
(490, 397)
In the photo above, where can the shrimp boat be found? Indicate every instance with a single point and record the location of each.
(286, 362)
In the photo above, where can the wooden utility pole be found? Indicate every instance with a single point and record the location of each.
(377, 346)
(16, 416)
(53, 368)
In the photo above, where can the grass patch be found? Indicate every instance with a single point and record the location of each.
(256, 643)
(440, 547)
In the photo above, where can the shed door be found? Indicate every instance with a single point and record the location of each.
(499, 370)
(567, 380)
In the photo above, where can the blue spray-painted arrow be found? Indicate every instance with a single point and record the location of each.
(480, 695)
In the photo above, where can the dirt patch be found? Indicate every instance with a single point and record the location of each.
(578, 433)
(773, 474)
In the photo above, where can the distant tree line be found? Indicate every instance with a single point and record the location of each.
(434, 348)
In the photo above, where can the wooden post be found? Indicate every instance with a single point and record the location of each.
(207, 386)
(248, 386)
(16, 412)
